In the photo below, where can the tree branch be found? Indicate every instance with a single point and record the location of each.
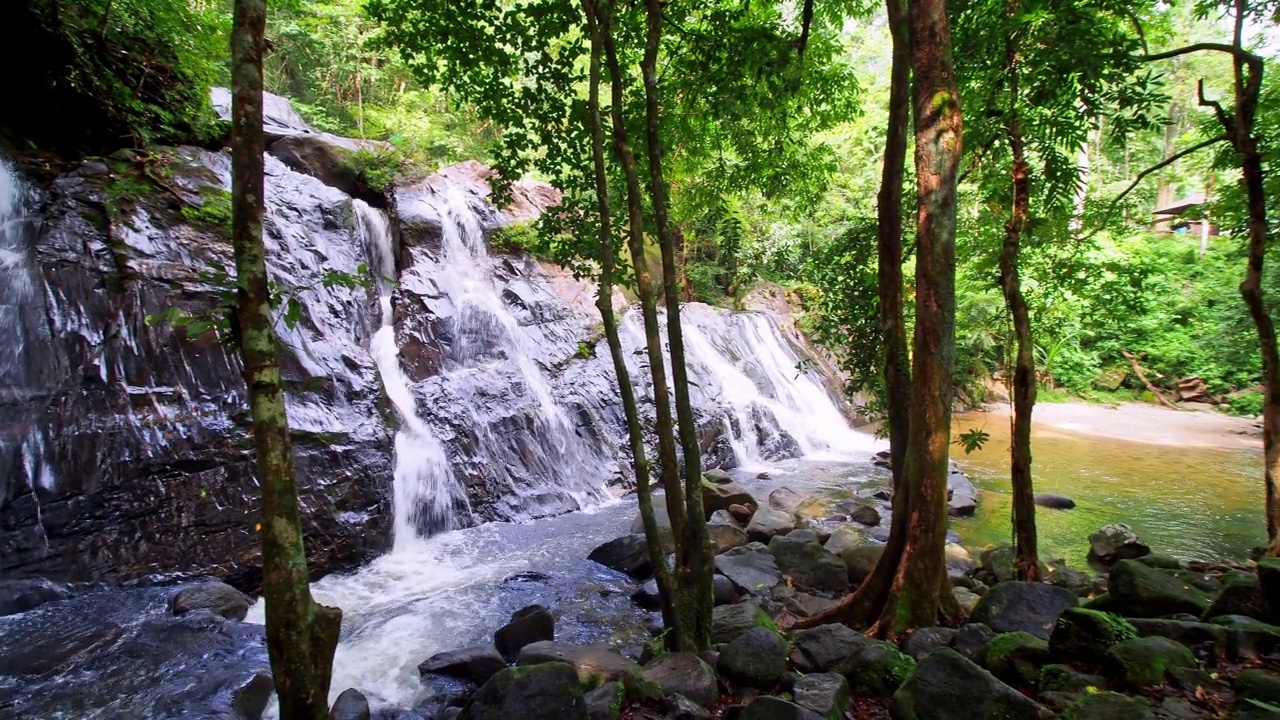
(1227, 125)
(1162, 165)
(804, 29)
(1198, 47)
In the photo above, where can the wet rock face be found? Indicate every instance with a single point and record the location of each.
(125, 445)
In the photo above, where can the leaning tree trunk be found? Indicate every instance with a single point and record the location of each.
(1026, 561)
(914, 598)
(301, 635)
(693, 551)
(678, 634)
(604, 302)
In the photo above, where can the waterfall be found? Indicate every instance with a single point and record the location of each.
(425, 491)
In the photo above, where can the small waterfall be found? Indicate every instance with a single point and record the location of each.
(425, 490)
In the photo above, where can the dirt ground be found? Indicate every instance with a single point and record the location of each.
(1149, 424)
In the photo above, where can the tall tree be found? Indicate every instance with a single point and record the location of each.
(301, 634)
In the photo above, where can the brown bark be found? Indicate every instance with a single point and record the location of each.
(914, 596)
(677, 633)
(604, 302)
(301, 635)
(693, 554)
(1137, 370)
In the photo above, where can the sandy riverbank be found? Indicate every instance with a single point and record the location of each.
(1143, 423)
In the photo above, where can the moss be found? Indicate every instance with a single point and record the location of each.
(1109, 706)
(1016, 657)
(213, 212)
(377, 169)
(877, 669)
(1063, 678)
(1085, 634)
(1144, 661)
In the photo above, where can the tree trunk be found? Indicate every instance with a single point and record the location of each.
(1026, 561)
(301, 635)
(914, 596)
(677, 633)
(693, 553)
(604, 302)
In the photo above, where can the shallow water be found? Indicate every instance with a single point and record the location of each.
(1189, 502)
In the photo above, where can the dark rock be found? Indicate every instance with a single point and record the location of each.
(823, 648)
(1055, 502)
(628, 554)
(723, 590)
(1191, 678)
(1239, 596)
(767, 707)
(251, 699)
(844, 538)
(1086, 635)
(965, 598)
(717, 476)
(350, 705)
(725, 537)
(1017, 657)
(785, 499)
(866, 515)
(757, 658)
(594, 664)
(1215, 639)
(926, 640)
(826, 694)
(767, 522)
(810, 566)
(947, 686)
(972, 641)
(1064, 678)
(647, 595)
(1110, 706)
(962, 496)
(605, 702)
(18, 596)
(728, 622)
(742, 513)
(477, 663)
(752, 567)
(1145, 660)
(1248, 638)
(1258, 684)
(997, 562)
(724, 496)
(679, 707)
(1116, 542)
(860, 561)
(1161, 562)
(216, 597)
(1269, 583)
(1197, 580)
(528, 625)
(539, 692)
(1077, 581)
(532, 576)
(876, 668)
(684, 673)
(333, 161)
(1025, 607)
(1139, 591)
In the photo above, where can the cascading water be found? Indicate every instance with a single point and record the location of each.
(426, 492)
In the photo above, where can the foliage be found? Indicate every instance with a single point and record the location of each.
(213, 211)
(376, 167)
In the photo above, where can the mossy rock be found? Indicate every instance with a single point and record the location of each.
(1066, 679)
(549, 690)
(1139, 591)
(1109, 706)
(1145, 661)
(605, 702)
(876, 668)
(1086, 635)
(1016, 657)
(1241, 594)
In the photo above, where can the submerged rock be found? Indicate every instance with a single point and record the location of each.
(1054, 502)
(350, 705)
(18, 596)
(628, 554)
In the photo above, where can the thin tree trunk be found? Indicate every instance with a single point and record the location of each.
(677, 633)
(914, 598)
(693, 554)
(604, 302)
(301, 635)
(1026, 561)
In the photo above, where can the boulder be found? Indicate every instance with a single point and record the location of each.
(1064, 678)
(595, 664)
(477, 663)
(947, 686)
(528, 625)
(757, 658)
(1116, 542)
(1215, 639)
(785, 499)
(767, 522)
(1086, 635)
(1139, 591)
(725, 537)
(965, 598)
(1110, 706)
(962, 496)
(728, 622)
(972, 640)
(860, 561)
(959, 562)
(647, 595)
(548, 690)
(1023, 607)
(808, 565)
(767, 707)
(876, 668)
(866, 515)
(1054, 502)
(18, 596)
(723, 496)
(722, 590)
(251, 699)
(1017, 657)
(628, 554)
(926, 640)
(997, 562)
(751, 568)
(1145, 661)
(679, 707)
(824, 648)
(844, 538)
(1058, 573)
(1269, 583)
(717, 476)
(605, 702)
(722, 517)
(742, 513)
(214, 596)
(684, 673)
(1240, 595)
(826, 694)
(336, 161)
(1258, 684)
(350, 705)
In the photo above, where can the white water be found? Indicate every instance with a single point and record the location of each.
(16, 287)
(425, 489)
